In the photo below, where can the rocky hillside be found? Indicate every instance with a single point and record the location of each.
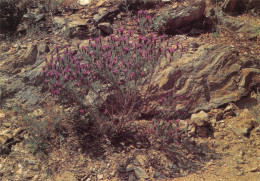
(214, 75)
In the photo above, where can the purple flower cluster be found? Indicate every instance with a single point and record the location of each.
(66, 75)
(119, 58)
(119, 64)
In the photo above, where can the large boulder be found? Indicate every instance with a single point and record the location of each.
(182, 19)
(211, 77)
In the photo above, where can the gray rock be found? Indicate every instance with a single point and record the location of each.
(106, 27)
(4, 138)
(102, 11)
(158, 175)
(30, 56)
(100, 176)
(96, 17)
(42, 49)
(244, 129)
(21, 76)
(76, 21)
(172, 166)
(34, 17)
(76, 27)
(200, 119)
(130, 168)
(213, 122)
(84, 2)
(7, 125)
(140, 173)
(17, 131)
(59, 22)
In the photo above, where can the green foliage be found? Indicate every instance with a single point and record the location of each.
(257, 31)
(42, 132)
(37, 141)
(160, 21)
(215, 34)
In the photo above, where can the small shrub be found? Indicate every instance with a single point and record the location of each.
(166, 128)
(42, 132)
(215, 34)
(117, 70)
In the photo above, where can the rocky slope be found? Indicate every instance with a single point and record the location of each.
(218, 79)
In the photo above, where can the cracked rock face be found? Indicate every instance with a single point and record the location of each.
(21, 76)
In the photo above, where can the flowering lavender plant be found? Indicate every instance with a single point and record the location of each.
(116, 66)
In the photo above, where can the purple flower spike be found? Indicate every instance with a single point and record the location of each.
(121, 30)
(148, 17)
(130, 32)
(77, 84)
(140, 51)
(131, 75)
(140, 38)
(126, 49)
(114, 71)
(81, 111)
(57, 48)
